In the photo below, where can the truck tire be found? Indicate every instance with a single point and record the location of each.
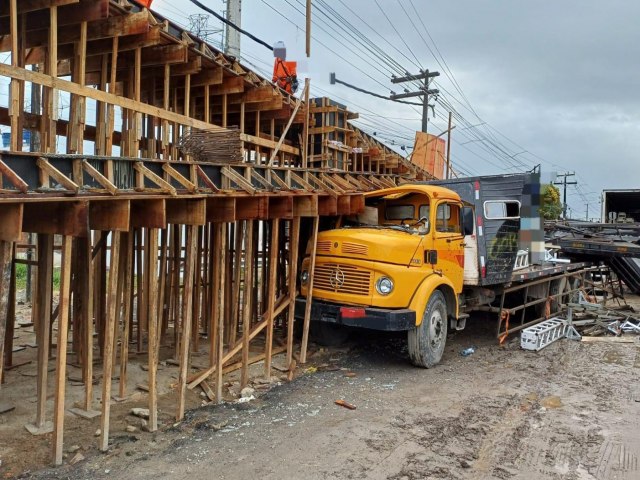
(427, 340)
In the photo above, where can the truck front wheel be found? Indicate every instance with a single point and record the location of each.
(427, 340)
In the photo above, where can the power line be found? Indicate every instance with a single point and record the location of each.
(231, 24)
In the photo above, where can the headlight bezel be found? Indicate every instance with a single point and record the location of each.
(384, 285)
(304, 277)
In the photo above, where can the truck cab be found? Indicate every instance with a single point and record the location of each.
(398, 266)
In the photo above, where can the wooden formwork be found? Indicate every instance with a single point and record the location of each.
(157, 250)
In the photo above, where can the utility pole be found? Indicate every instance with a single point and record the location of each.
(232, 37)
(565, 183)
(423, 92)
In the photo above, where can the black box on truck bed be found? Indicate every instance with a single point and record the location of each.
(498, 203)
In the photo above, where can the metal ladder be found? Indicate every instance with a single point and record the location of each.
(538, 336)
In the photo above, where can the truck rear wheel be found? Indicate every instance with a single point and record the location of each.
(427, 340)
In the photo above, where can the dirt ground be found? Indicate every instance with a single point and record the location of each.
(568, 412)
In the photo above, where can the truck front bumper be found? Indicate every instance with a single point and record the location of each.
(390, 320)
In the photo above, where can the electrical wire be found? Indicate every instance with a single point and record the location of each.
(231, 24)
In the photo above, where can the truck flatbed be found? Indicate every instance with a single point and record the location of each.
(540, 271)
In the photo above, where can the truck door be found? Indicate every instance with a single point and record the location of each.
(449, 241)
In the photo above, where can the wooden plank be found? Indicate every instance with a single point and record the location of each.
(11, 215)
(307, 311)
(145, 172)
(150, 213)
(186, 211)
(13, 178)
(61, 354)
(60, 218)
(220, 313)
(6, 254)
(305, 206)
(238, 179)
(221, 209)
(189, 274)
(248, 298)
(286, 128)
(110, 215)
(294, 243)
(127, 292)
(251, 208)
(27, 6)
(57, 175)
(327, 206)
(271, 295)
(109, 338)
(99, 177)
(101, 96)
(178, 177)
(280, 207)
(153, 340)
(43, 326)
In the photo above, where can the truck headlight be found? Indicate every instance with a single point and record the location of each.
(304, 277)
(384, 286)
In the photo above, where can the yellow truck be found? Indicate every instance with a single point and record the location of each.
(419, 259)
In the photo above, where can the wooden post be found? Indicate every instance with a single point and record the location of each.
(6, 249)
(308, 29)
(127, 292)
(61, 360)
(293, 276)
(271, 295)
(215, 293)
(305, 129)
(189, 267)
(237, 273)
(15, 108)
(248, 297)
(220, 313)
(307, 310)
(43, 330)
(152, 346)
(109, 335)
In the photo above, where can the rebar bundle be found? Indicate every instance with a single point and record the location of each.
(219, 146)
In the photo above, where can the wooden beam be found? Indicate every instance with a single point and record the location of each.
(110, 215)
(61, 354)
(221, 209)
(101, 96)
(27, 6)
(309, 298)
(109, 340)
(57, 175)
(99, 177)
(11, 215)
(59, 218)
(145, 172)
(150, 213)
(294, 243)
(274, 246)
(178, 177)
(286, 129)
(187, 310)
(238, 179)
(186, 211)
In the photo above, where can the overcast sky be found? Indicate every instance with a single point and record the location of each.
(550, 82)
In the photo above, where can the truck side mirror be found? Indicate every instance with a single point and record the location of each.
(467, 220)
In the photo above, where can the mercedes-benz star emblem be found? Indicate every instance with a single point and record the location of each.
(337, 278)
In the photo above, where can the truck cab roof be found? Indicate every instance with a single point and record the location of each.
(431, 191)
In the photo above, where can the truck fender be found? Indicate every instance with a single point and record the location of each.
(426, 288)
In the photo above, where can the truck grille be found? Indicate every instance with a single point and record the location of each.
(323, 246)
(333, 277)
(354, 248)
